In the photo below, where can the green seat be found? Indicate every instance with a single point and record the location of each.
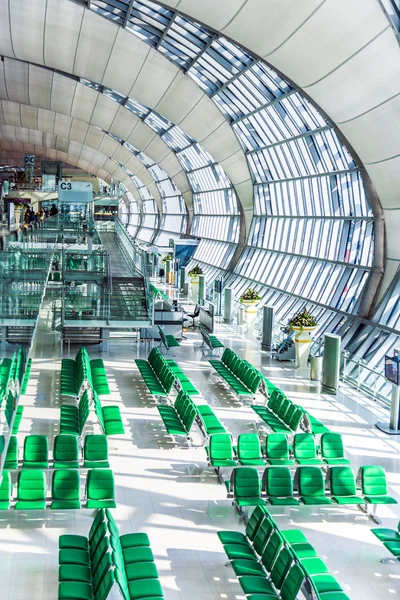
(237, 552)
(112, 420)
(66, 489)
(325, 582)
(374, 485)
(209, 421)
(311, 486)
(278, 486)
(332, 450)
(81, 542)
(387, 535)
(5, 491)
(100, 489)
(237, 537)
(304, 449)
(65, 452)
(277, 449)
(299, 544)
(249, 450)
(342, 485)
(145, 588)
(220, 451)
(31, 490)
(95, 452)
(245, 487)
(11, 460)
(18, 415)
(36, 452)
(260, 585)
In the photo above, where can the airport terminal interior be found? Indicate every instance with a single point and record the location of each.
(199, 299)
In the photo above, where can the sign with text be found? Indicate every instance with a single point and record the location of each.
(77, 192)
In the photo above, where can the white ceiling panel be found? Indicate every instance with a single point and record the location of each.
(158, 149)
(6, 48)
(141, 136)
(94, 137)
(63, 20)
(84, 102)
(75, 147)
(49, 140)
(3, 87)
(62, 144)
(203, 120)
(153, 80)
(96, 39)
(122, 155)
(62, 125)
(40, 85)
(87, 153)
(220, 13)
(17, 79)
(79, 130)
(126, 60)
(104, 112)
(99, 159)
(180, 98)
(12, 115)
(27, 29)
(29, 116)
(46, 120)
(124, 122)
(110, 166)
(62, 94)
(108, 146)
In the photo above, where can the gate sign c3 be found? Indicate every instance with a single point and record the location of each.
(75, 191)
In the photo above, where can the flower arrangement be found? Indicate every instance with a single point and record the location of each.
(250, 296)
(196, 271)
(303, 319)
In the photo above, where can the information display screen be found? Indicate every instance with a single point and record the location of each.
(392, 370)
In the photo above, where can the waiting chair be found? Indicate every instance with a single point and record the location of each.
(311, 486)
(100, 491)
(66, 489)
(277, 450)
(342, 485)
(36, 452)
(95, 452)
(5, 491)
(66, 452)
(332, 450)
(249, 450)
(245, 487)
(372, 481)
(278, 486)
(31, 490)
(194, 316)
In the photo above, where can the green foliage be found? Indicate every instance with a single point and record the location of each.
(168, 257)
(250, 295)
(303, 319)
(196, 271)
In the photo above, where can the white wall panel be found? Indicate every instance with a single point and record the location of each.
(40, 85)
(104, 112)
(63, 21)
(16, 77)
(27, 26)
(62, 94)
(125, 63)
(96, 40)
(84, 102)
(29, 116)
(62, 125)
(12, 115)
(153, 80)
(79, 130)
(6, 48)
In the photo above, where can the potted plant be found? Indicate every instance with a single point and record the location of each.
(250, 297)
(303, 324)
(168, 257)
(194, 274)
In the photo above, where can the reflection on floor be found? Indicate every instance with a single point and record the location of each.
(166, 489)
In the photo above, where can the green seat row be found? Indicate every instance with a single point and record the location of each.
(82, 370)
(208, 421)
(178, 419)
(156, 374)
(65, 452)
(277, 487)
(268, 560)
(183, 380)
(209, 339)
(26, 376)
(73, 418)
(242, 377)
(169, 341)
(390, 539)
(250, 452)
(90, 566)
(65, 490)
(280, 414)
(109, 417)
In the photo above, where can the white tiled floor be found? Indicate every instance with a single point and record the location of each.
(166, 489)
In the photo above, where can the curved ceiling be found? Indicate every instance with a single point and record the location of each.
(345, 56)
(65, 36)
